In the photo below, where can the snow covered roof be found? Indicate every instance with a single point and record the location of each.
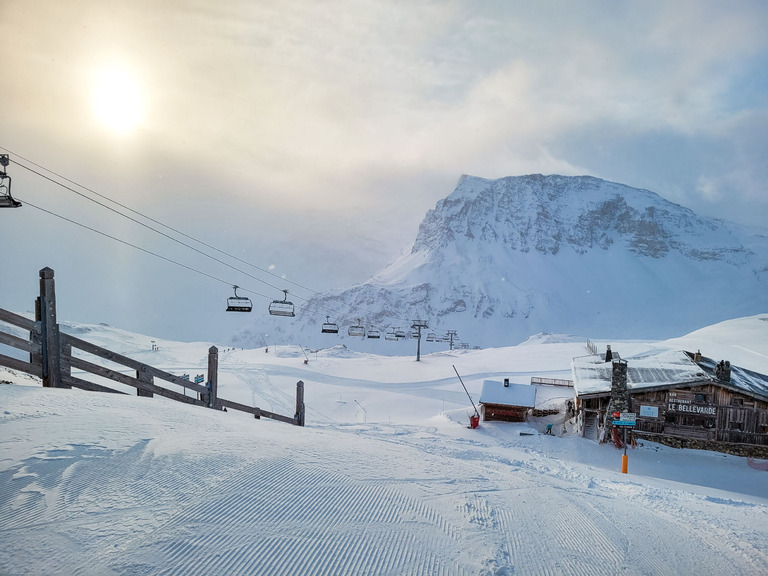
(670, 368)
(495, 392)
(741, 378)
(593, 376)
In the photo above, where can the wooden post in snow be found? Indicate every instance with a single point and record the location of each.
(144, 376)
(213, 369)
(299, 403)
(49, 331)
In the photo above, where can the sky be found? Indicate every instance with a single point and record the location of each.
(310, 138)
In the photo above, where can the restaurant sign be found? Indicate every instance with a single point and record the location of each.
(690, 403)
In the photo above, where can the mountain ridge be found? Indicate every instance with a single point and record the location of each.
(500, 260)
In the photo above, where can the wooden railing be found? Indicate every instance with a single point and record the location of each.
(51, 358)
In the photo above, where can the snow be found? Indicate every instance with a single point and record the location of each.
(495, 392)
(592, 374)
(386, 477)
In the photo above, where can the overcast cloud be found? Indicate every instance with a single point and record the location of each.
(312, 137)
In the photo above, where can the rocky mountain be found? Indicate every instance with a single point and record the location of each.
(500, 260)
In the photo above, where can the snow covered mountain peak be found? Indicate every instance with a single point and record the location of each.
(550, 213)
(500, 260)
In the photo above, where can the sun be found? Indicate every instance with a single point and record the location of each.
(117, 101)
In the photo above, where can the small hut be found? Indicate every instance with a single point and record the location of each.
(506, 402)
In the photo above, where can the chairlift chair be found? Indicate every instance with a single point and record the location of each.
(431, 336)
(357, 329)
(238, 303)
(329, 327)
(374, 334)
(399, 333)
(282, 307)
(390, 335)
(6, 200)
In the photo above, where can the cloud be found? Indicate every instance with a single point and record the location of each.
(288, 128)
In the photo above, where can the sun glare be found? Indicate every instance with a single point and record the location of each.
(117, 101)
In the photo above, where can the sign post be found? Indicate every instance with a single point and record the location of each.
(625, 420)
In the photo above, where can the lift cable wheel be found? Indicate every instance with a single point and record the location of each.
(6, 200)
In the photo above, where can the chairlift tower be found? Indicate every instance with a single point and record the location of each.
(451, 335)
(418, 325)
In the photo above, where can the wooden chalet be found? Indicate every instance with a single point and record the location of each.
(505, 401)
(681, 399)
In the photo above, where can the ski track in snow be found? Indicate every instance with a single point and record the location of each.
(272, 514)
(100, 485)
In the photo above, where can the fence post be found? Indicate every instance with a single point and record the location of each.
(50, 330)
(299, 417)
(212, 384)
(143, 376)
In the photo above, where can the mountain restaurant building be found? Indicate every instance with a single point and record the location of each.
(681, 399)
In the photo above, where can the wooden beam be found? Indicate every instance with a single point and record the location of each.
(50, 330)
(75, 382)
(258, 412)
(133, 382)
(20, 321)
(21, 366)
(213, 377)
(20, 343)
(130, 363)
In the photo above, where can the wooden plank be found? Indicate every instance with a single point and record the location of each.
(21, 366)
(129, 362)
(20, 343)
(20, 321)
(134, 382)
(75, 382)
(255, 411)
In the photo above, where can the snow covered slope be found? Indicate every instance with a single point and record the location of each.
(500, 260)
(386, 478)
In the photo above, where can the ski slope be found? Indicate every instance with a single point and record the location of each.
(386, 477)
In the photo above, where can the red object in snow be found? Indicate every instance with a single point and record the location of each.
(474, 421)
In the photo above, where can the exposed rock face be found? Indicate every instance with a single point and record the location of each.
(500, 260)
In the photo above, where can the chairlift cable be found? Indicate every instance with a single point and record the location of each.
(190, 268)
(169, 228)
(140, 214)
(197, 250)
(147, 226)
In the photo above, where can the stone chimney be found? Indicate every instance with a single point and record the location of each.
(723, 371)
(619, 401)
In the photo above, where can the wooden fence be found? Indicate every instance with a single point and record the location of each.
(51, 358)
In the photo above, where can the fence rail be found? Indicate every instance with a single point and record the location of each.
(51, 358)
(551, 381)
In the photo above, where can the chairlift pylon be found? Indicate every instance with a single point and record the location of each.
(329, 327)
(282, 307)
(6, 200)
(238, 303)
